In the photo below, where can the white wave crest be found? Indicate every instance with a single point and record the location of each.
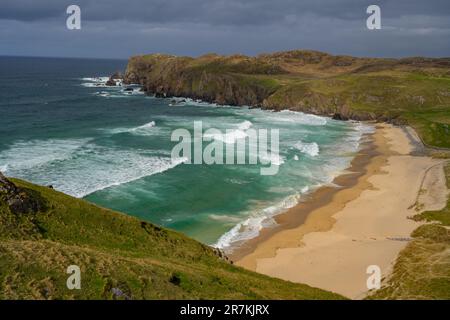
(311, 149)
(272, 158)
(94, 82)
(250, 227)
(96, 79)
(245, 125)
(80, 167)
(232, 136)
(145, 129)
(245, 230)
(24, 155)
(299, 117)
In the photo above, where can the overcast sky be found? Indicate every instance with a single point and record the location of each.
(118, 28)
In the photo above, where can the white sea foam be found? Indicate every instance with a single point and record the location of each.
(364, 128)
(299, 117)
(24, 155)
(3, 168)
(150, 124)
(339, 159)
(94, 81)
(118, 91)
(236, 181)
(79, 167)
(311, 149)
(250, 227)
(144, 130)
(231, 136)
(224, 218)
(245, 125)
(138, 167)
(274, 159)
(360, 129)
(244, 230)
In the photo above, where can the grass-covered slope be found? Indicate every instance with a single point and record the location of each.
(119, 256)
(422, 269)
(411, 90)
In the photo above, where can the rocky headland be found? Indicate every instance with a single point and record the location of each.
(400, 91)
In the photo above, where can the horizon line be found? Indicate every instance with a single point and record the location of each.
(210, 52)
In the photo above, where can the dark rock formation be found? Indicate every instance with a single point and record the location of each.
(114, 79)
(111, 83)
(219, 253)
(338, 116)
(18, 200)
(342, 87)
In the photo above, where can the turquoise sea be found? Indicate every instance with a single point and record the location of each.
(60, 126)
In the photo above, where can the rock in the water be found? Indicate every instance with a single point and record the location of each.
(111, 83)
(17, 199)
(114, 80)
(338, 116)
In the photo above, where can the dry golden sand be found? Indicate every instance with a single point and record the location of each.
(364, 223)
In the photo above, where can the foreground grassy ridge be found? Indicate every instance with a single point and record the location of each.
(414, 90)
(422, 269)
(119, 256)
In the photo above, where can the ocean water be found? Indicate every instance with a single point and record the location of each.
(60, 125)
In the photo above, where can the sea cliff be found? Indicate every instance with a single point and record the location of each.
(414, 91)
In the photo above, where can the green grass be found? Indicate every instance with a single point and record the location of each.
(116, 251)
(422, 269)
(413, 91)
(417, 102)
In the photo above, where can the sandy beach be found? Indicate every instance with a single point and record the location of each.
(329, 241)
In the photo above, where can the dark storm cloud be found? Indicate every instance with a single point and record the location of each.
(119, 28)
(213, 12)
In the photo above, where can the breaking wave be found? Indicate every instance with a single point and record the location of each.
(81, 167)
(311, 149)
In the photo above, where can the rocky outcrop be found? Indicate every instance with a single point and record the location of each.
(219, 253)
(18, 200)
(114, 80)
(314, 82)
(338, 116)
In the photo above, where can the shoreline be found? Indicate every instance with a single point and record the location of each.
(329, 240)
(297, 215)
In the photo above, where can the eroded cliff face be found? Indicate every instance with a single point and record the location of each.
(18, 200)
(340, 86)
(208, 79)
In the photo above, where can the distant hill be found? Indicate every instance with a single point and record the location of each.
(43, 231)
(410, 90)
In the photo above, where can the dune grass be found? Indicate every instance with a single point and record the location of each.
(422, 269)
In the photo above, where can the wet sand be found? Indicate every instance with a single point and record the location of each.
(329, 240)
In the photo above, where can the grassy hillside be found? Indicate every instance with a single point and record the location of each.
(422, 269)
(42, 232)
(412, 90)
